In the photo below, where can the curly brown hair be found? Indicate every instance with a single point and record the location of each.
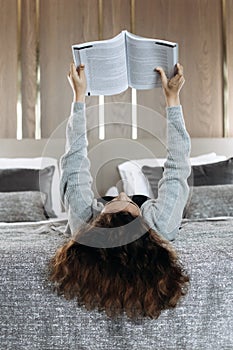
(140, 278)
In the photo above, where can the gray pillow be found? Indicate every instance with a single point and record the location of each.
(20, 179)
(220, 173)
(22, 206)
(153, 175)
(209, 201)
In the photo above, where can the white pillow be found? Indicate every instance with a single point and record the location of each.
(133, 179)
(38, 163)
(207, 159)
(112, 191)
(135, 182)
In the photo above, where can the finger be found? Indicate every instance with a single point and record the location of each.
(72, 67)
(81, 70)
(176, 77)
(175, 81)
(180, 69)
(73, 70)
(182, 80)
(69, 75)
(69, 78)
(162, 75)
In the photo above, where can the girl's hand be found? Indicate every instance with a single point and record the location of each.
(172, 87)
(78, 82)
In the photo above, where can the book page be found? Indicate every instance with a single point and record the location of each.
(144, 55)
(105, 65)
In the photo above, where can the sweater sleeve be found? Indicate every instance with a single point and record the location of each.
(164, 214)
(75, 184)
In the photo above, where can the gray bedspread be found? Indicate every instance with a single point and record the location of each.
(33, 317)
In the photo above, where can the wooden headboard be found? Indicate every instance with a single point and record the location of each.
(107, 154)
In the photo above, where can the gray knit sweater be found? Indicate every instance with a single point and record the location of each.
(163, 214)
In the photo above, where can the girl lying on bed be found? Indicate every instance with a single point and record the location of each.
(118, 257)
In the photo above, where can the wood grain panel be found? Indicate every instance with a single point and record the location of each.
(8, 68)
(229, 34)
(28, 64)
(63, 23)
(196, 26)
(116, 17)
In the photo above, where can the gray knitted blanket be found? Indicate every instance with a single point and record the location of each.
(33, 317)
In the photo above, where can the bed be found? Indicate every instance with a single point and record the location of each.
(33, 317)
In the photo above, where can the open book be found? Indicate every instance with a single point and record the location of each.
(125, 60)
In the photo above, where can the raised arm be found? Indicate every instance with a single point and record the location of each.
(164, 214)
(75, 183)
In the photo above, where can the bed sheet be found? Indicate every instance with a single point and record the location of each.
(33, 317)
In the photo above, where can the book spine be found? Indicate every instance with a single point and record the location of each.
(165, 44)
(79, 50)
(83, 47)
